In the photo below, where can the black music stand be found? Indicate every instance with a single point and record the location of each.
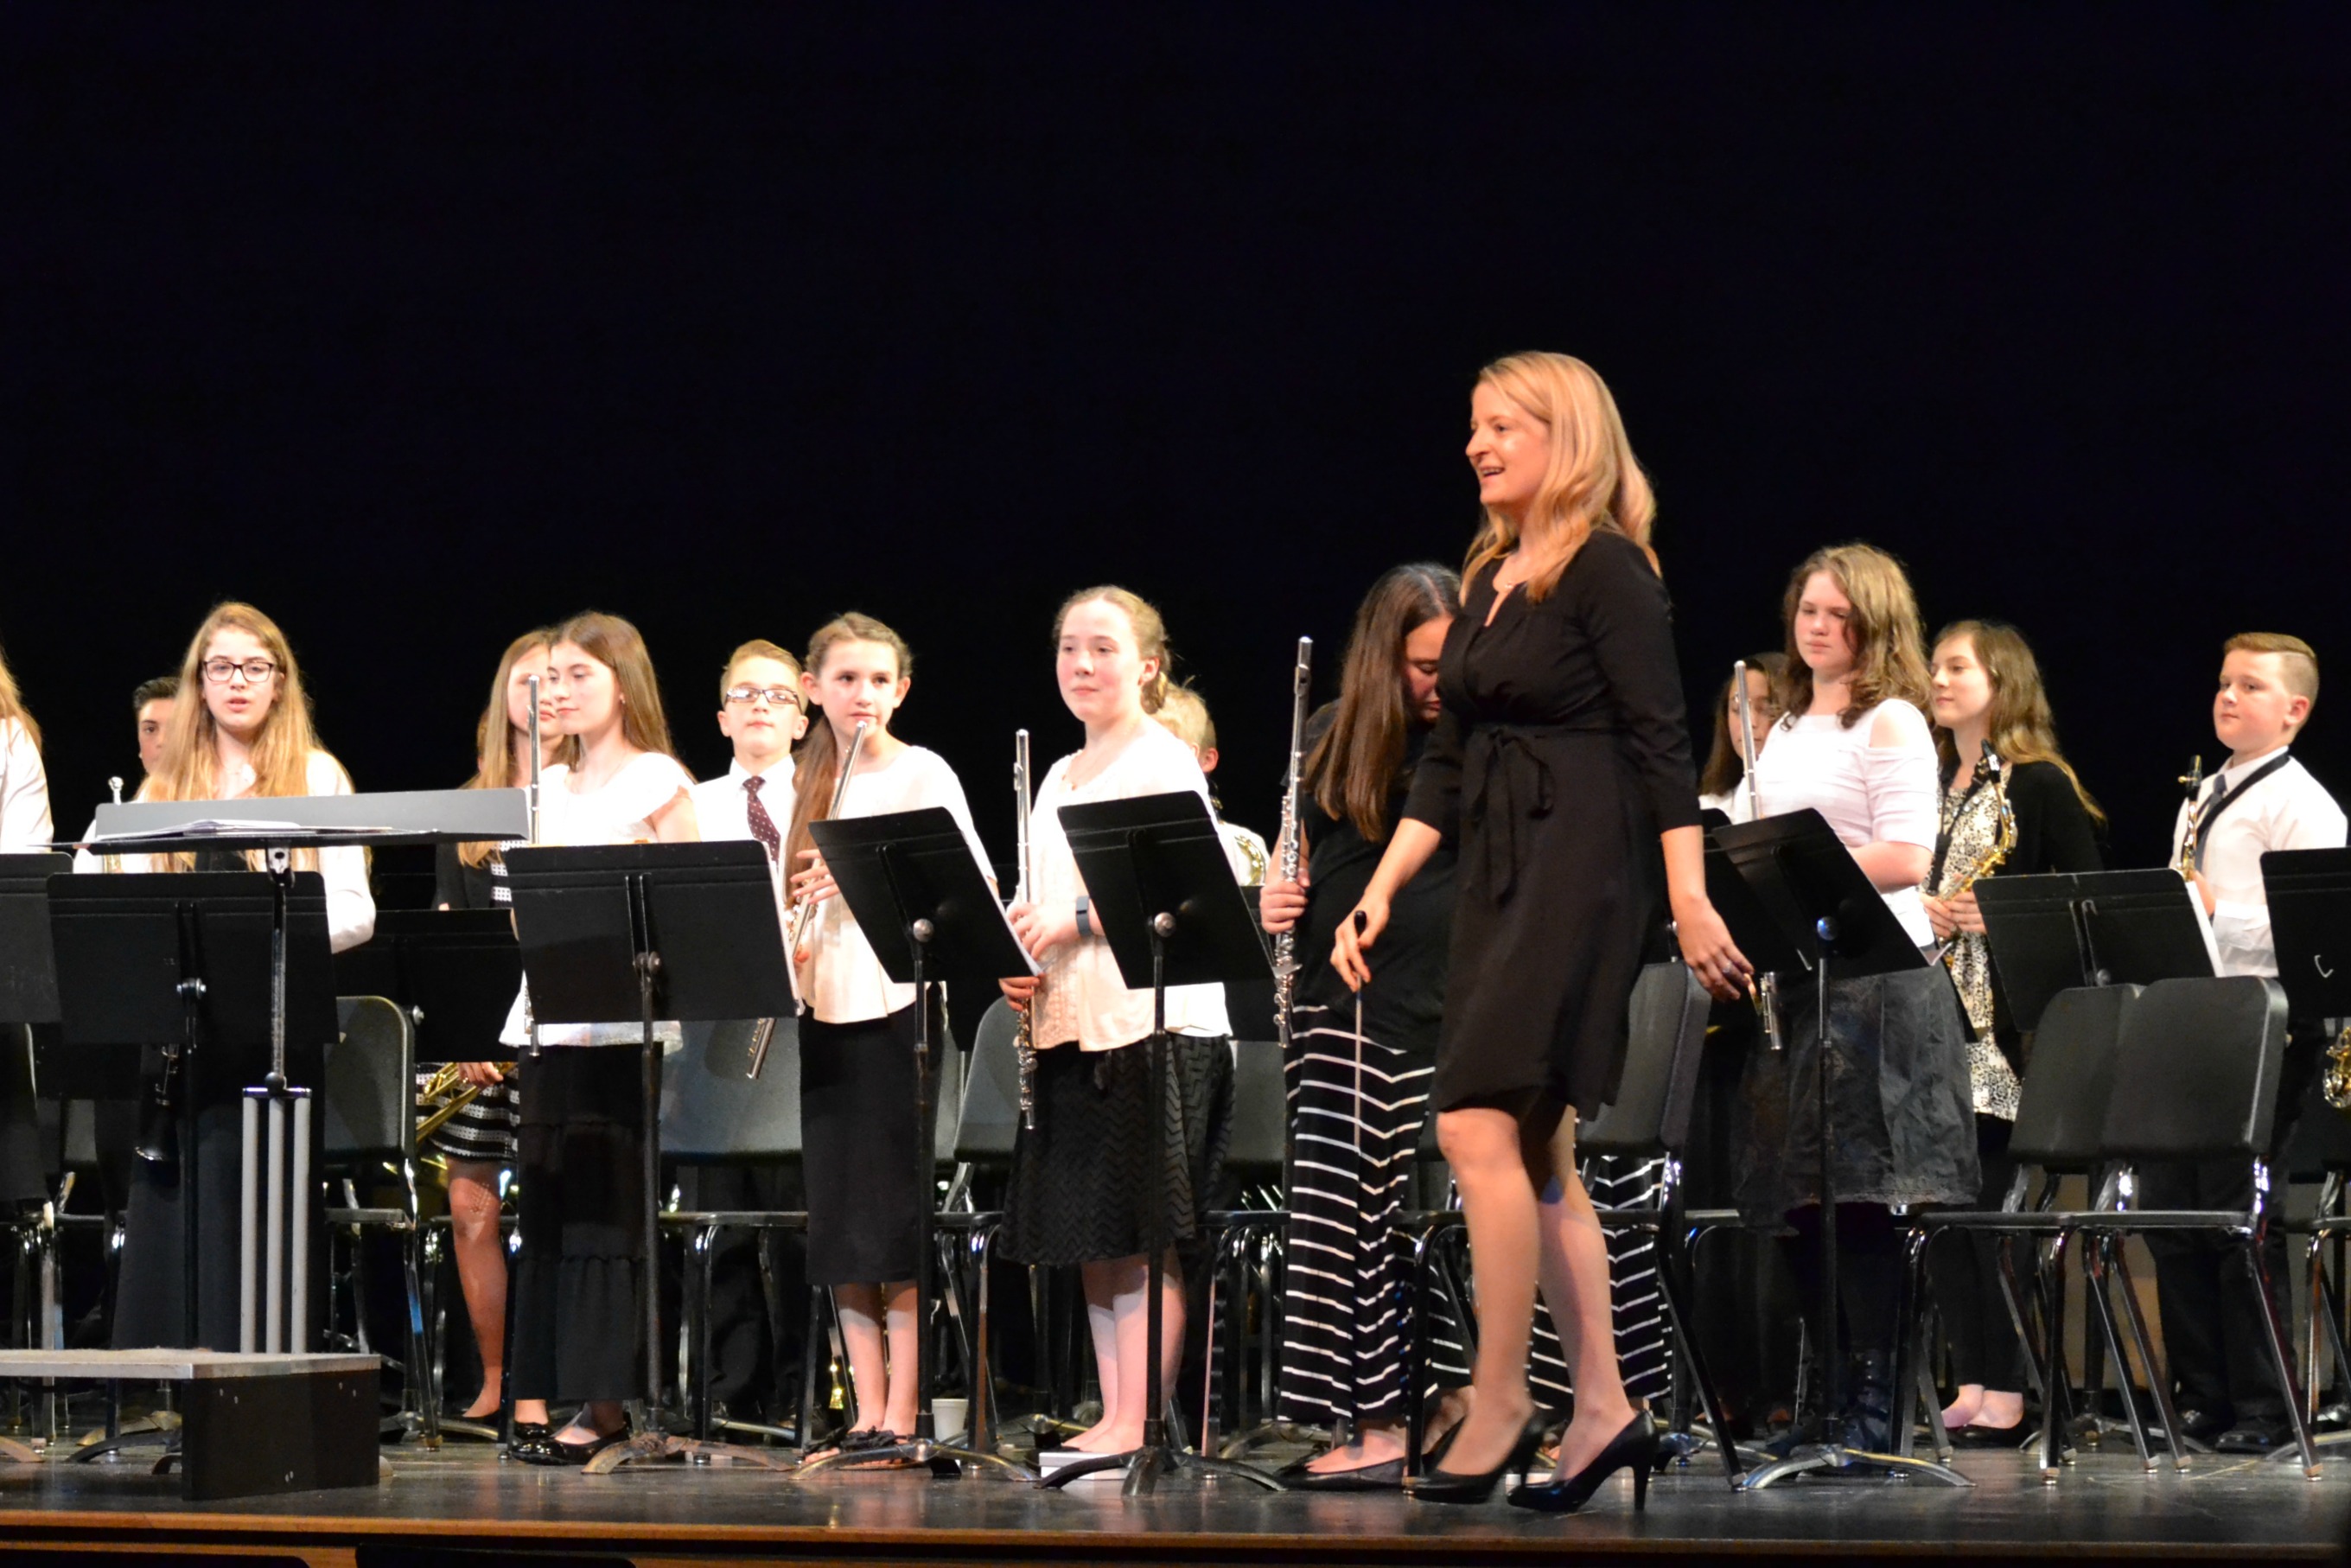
(1796, 900)
(925, 904)
(2056, 932)
(1163, 892)
(615, 932)
(28, 978)
(2310, 928)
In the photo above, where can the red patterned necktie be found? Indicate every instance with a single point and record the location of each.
(763, 826)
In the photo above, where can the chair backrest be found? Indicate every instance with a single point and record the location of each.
(1651, 1112)
(2061, 1117)
(1260, 1110)
(2197, 1070)
(713, 1114)
(991, 1090)
(367, 1085)
(82, 1135)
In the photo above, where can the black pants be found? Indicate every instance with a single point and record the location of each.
(1869, 1271)
(2212, 1329)
(1966, 1279)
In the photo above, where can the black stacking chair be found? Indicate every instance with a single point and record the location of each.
(367, 1105)
(2060, 1131)
(1243, 1247)
(2320, 1151)
(712, 1114)
(2203, 1059)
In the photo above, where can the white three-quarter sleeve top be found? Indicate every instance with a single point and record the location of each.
(1869, 794)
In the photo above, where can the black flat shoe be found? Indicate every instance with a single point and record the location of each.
(551, 1451)
(1441, 1485)
(1975, 1436)
(1635, 1448)
(534, 1443)
(1385, 1476)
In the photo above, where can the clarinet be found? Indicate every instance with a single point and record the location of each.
(1025, 1038)
(1285, 944)
(2193, 783)
(1763, 990)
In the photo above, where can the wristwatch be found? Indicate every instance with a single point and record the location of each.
(1085, 916)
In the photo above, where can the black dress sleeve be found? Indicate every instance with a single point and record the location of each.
(2054, 831)
(1436, 797)
(1630, 621)
(448, 878)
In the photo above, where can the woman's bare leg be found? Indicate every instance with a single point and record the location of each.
(1497, 1203)
(858, 1308)
(1574, 1261)
(1099, 1279)
(479, 1248)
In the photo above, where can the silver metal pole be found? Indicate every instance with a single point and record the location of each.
(298, 1317)
(273, 1262)
(247, 1194)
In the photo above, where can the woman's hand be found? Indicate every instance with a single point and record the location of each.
(1707, 949)
(1020, 989)
(1965, 914)
(1040, 929)
(1281, 905)
(1356, 933)
(480, 1074)
(814, 883)
(1940, 916)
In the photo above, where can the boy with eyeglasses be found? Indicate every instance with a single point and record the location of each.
(753, 1353)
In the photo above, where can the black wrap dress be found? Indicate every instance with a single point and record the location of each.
(1562, 752)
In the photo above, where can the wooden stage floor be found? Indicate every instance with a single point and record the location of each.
(462, 1505)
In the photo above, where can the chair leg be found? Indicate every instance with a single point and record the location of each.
(1670, 1282)
(2011, 1298)
(2275, 1332)
(2159, 1379)
(2053, 1322)
(2096, 1253)
(980, 1249)
(1415, 1359)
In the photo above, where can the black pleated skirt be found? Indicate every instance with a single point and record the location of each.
(859, 1149)
(579, 1324)
(1081, 1182)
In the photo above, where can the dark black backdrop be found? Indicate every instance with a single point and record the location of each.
(419, 326)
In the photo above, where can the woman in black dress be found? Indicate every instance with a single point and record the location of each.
(1986, 691)
(1359, 1089)
(1560, 751)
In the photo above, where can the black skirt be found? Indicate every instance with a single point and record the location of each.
(865, 1193)
(579, 1324)
(1081, 1182)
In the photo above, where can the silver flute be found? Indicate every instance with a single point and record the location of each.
(1763, 988)
(1025, 1038)
(530, 819)
(1285, 944)
(764, 1032)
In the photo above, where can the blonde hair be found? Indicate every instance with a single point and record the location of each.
(616, 644)
(1183, 714)
(281, 753)
(2021, 726)
(1593, 480)
(494, 738)
(1150, 634)
(2297, 660)
(816, 766)
(12, 704)
(1889, 644)
(756, 648)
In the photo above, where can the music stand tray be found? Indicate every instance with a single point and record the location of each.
(1155, 872)
(1796, 901)
(2058, 931)
(925, 904)
(617, 932)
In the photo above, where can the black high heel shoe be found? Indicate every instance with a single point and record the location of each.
(1441, 1485)
(1635, 1448)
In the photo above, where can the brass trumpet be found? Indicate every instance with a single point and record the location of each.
(446, 1078)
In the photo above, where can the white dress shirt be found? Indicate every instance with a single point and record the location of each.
(842, 982)
(1869, 794)
(24, 791)
(2287, 810)
(723, 806)
(1084, 998)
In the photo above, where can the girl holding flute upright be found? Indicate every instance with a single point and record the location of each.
(1561, 765)
(858, 1037)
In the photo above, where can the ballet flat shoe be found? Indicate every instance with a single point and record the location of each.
(1441, 1485)
(1635, 1448)
(1385, 1476)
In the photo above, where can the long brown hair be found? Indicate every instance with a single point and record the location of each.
(12, 704)
(281, 752)
(1724, 767)
(494, 738)
(2022, 728)
(1351, 771)
(618, 645)
(816, 766)
(1889, 644)
(1593, 480)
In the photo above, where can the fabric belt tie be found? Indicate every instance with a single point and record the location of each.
(1510, 782)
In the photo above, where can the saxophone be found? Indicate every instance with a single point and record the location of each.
(1024, 1044)
(2193, 783)
(1995, 773)
(1285, 944)
(2335, 1083)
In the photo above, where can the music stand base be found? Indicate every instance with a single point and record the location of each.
(1145, 1466)
(943, 1460)
(659, 1447)
(1815, 1457)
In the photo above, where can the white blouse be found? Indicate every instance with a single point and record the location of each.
(1084, 998)
(24, 791)
(620, 812)
(1869, 794)
(350, 906)
(843, 982)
